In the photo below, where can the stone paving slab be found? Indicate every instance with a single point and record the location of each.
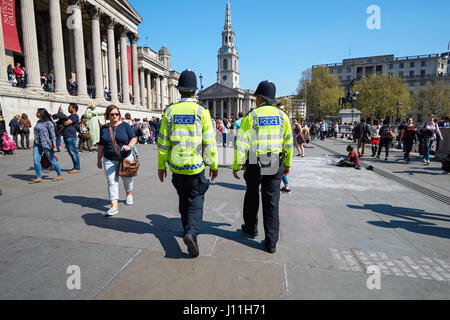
(315, 284)
(35, 268)
(150, 276)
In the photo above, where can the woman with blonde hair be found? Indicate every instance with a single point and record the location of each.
(125, 139)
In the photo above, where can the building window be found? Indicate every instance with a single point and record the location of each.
(349, 78)
(339, 71)
(225, 64)
(349, 70)
(331, 70)
(412, 65)
(412, 74)
(224, 78)
(423, 63)
(400, 74)
(422, 73)
(402, 65)
(391, 66)
(422, 84)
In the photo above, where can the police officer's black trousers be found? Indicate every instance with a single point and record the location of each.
(270, 189)
(191, 192)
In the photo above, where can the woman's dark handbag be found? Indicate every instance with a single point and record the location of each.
(126, 168)
(45, 163)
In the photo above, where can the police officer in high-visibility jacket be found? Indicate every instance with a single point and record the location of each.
(264, 147)
(187, 142)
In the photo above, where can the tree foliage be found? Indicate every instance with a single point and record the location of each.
(434, 98)
(379, 95)
(319, 87)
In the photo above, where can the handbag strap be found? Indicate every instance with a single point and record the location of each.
(114, 143)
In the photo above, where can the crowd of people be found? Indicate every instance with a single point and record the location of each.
(17, 76)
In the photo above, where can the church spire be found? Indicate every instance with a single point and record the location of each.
(228, 26)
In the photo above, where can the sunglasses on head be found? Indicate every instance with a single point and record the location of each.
(114, 114)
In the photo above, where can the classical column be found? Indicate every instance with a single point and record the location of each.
(80, 62)
(124, 66)
(59, 66)
(229, 108)
(3, 67)
(222, 102)
(214, 108)
(134, 58)
(30, 44)
(161, 82)
(158, 89)
(110, 24)
(142, 87)
(149, 90)
(94, 14)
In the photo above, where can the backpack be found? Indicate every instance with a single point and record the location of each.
(20, 127)
(8, 143)
(384, 131)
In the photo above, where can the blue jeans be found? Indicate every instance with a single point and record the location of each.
(71, 145)
(285, 181)
(224, 139)
(426, 155)
(37, 155)
(58, 143)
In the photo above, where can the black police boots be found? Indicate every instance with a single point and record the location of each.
(248, 232)
(192, 245)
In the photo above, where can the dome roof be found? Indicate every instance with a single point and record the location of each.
(164, 51)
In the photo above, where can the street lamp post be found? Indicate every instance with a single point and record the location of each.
(201, 87)
(398, 109)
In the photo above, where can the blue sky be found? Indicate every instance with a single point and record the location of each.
(277, 40)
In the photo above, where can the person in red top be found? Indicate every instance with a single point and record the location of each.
(19, 75)
(408, 136)
(352, 159)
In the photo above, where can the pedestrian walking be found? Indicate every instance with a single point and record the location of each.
(375, 137)
(187, 143)
(69, 134)
(361, 133)
(93, 116)
(13, 126)
(24, 131)
(224, 130)
(85, 136)
(408, 136)
(323, 129)
(386, 137)
(44, 144)
(431, 133)
(264, 147)
(107, 156)
(299, 139)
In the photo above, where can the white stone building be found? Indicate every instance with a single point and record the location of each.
(415, 70)
(94, 42)
(224, 98)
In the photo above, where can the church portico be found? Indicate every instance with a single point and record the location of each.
(91, 49)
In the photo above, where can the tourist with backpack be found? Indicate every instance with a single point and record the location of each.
(386, 137)
(24, 131)
(44, 144)
(13, 124)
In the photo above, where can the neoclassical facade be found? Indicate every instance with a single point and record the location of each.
(224, 98)
(92, 42)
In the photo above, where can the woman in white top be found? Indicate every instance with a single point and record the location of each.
(432, 133)
(375, 137)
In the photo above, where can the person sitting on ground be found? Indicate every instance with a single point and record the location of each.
(352, 159)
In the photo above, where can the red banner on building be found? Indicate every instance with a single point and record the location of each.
(10, 35)
(130, 67)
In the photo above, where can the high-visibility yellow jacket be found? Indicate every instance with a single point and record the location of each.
(265, 130)
(187, 140)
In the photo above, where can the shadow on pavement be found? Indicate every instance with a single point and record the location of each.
(86, 202)
(417, 219)
(29, 177)
(162, 228)
(413, 172)
(231, 186)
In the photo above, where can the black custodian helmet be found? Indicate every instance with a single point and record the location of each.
(187, 81)
(267, 91)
